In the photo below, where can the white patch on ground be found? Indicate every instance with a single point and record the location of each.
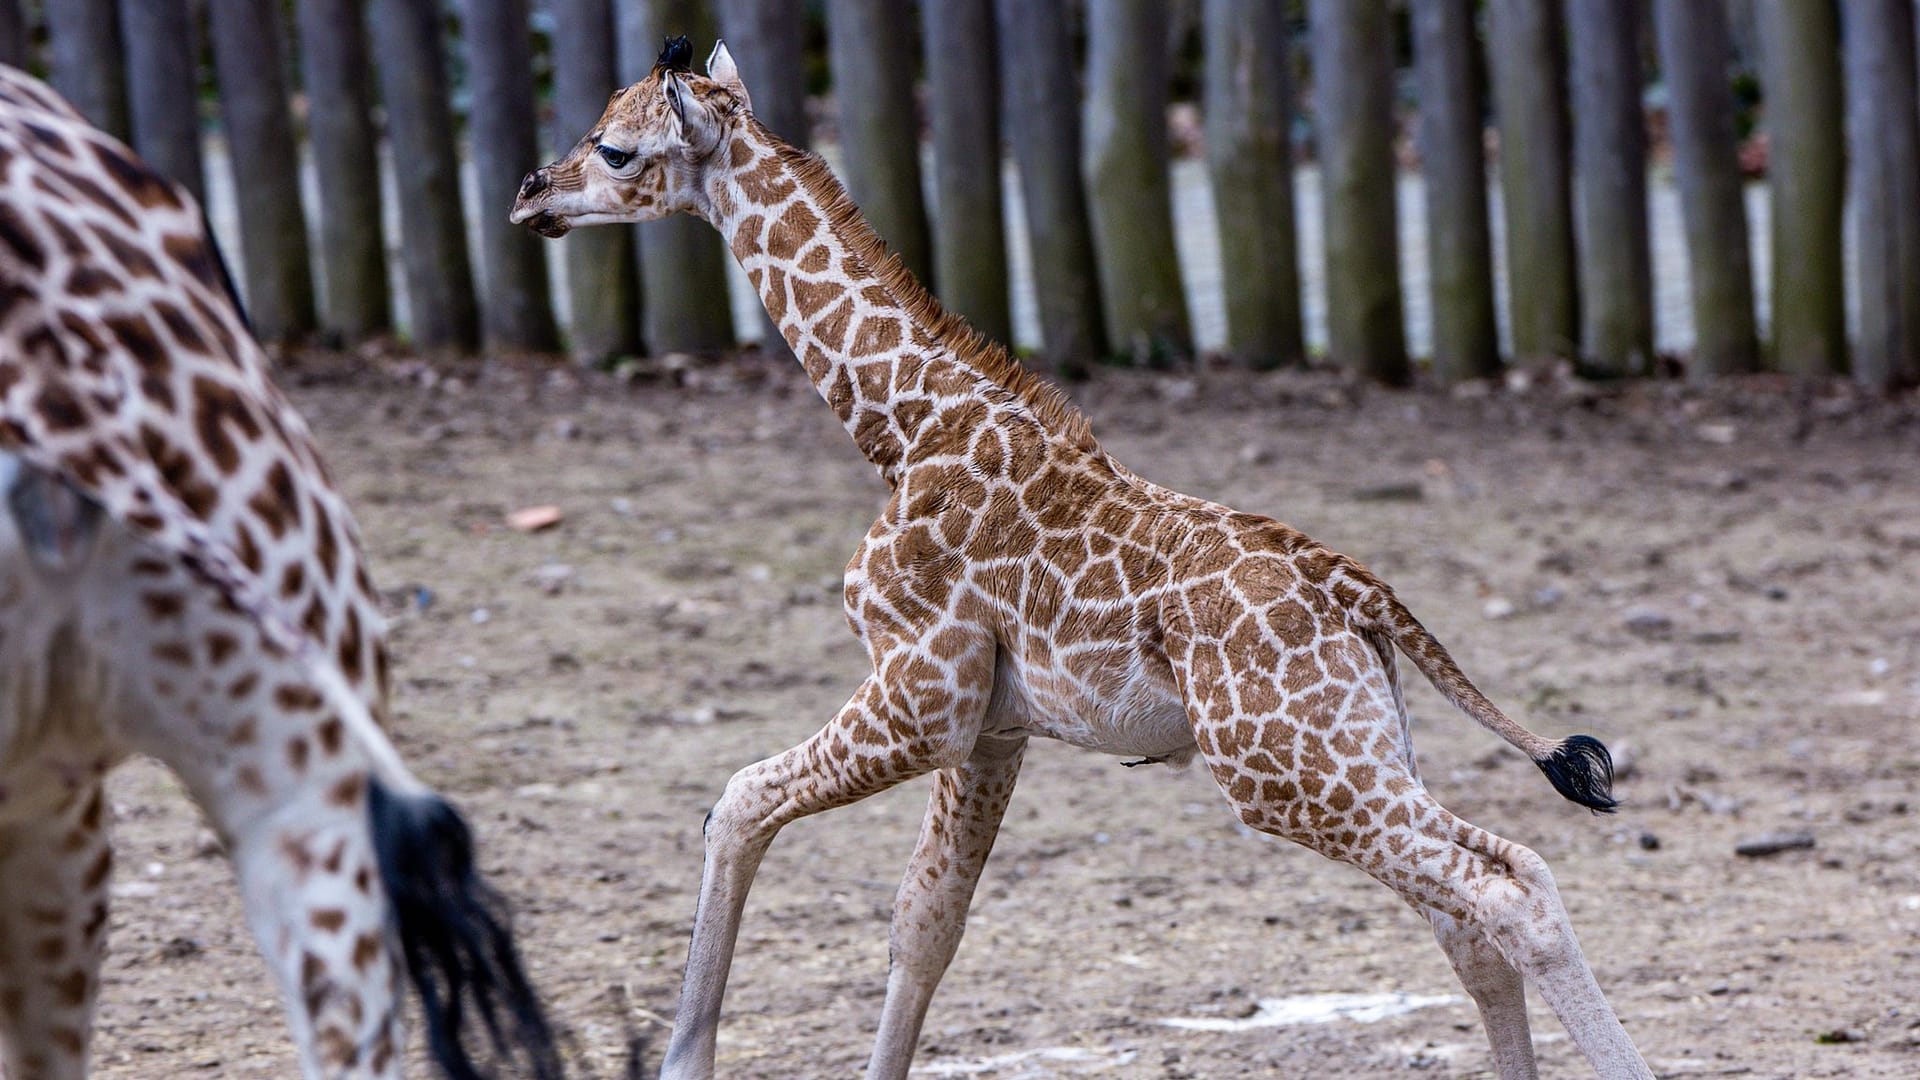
(1317, 1009)
(1047, 1061)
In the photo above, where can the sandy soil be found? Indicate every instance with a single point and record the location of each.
(1723, 586)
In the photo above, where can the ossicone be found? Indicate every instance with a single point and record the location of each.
(676, 55)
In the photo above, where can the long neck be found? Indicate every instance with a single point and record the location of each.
(859, 327)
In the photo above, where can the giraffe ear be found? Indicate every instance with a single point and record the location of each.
(721, 69)
(694, 121)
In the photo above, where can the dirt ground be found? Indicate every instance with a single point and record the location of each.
(1724, 586)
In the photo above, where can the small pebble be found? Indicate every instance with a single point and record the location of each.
(1760, 847)
(1647, 622)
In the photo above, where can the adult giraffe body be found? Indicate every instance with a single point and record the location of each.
(1021, 582)
(179, 577)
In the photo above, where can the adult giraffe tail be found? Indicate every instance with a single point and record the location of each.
(1578, 766)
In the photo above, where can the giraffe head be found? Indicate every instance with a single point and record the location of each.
(649, 154)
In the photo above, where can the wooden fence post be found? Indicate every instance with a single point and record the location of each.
(353, 259)
(276, 274)
(1353, 79)
(163, 88)
(1610, 161)
(1249, 120)
(413, 87)
(603, 274)
(16, 47)
(1695, 51)
(870, 46)
(683, 269)
(1128, 189)
(1038, 81)
(963, 96)
(1466, 339)
(84, 55)
(1886, 183)
(1526, 53)
(1806, 170)
(503, 139)
(768, 41)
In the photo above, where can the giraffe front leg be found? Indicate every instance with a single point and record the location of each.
(930, 911)
(53, 934)
(1497, 989)
(893, 730)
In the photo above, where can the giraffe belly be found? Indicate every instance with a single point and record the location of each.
(1110, 705)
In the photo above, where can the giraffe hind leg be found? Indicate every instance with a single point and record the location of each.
(53, 921)
(1503, 891)
(1497, 989)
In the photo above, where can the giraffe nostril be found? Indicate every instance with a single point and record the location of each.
(534, 184)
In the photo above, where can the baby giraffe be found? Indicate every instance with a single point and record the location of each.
(1022, 583)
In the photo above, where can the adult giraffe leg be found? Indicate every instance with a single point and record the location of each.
(1497, 989)
(914, 715)
(930, 911)
(53, 932)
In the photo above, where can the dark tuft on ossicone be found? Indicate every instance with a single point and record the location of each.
(676, 55)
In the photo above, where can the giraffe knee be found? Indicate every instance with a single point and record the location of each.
(740, 814)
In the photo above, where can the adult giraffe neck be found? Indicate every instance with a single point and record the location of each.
(878, 347)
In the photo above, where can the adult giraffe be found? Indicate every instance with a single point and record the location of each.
(178, 576)
(1021, 582)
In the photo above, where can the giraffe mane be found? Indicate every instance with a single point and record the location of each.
(980, 354)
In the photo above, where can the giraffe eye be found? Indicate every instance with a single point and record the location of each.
(614, 158)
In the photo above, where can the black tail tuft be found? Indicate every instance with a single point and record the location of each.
(454, 930)
(1581, 769)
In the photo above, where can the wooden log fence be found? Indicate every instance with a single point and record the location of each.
(419, 116)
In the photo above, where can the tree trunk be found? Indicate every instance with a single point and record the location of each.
(1353, 76)
(1610, 160)
(163, 88)
(16, 43)
(683, 268)
(603, 274)
(413, 87)
(1466, 340)
(517, 309)
(870, 46)
(1037, 77)
(1249, 117)
(1526, 53)
(768, 40)
(83, 45)
(277, 274)
(353, 260)
(1886, 165)
(1806, 168)
(963, 88)
(1695, 52)
(1127, 185)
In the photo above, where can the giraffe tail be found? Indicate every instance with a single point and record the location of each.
(1579, 766)
(454, 928)
(455, 934)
